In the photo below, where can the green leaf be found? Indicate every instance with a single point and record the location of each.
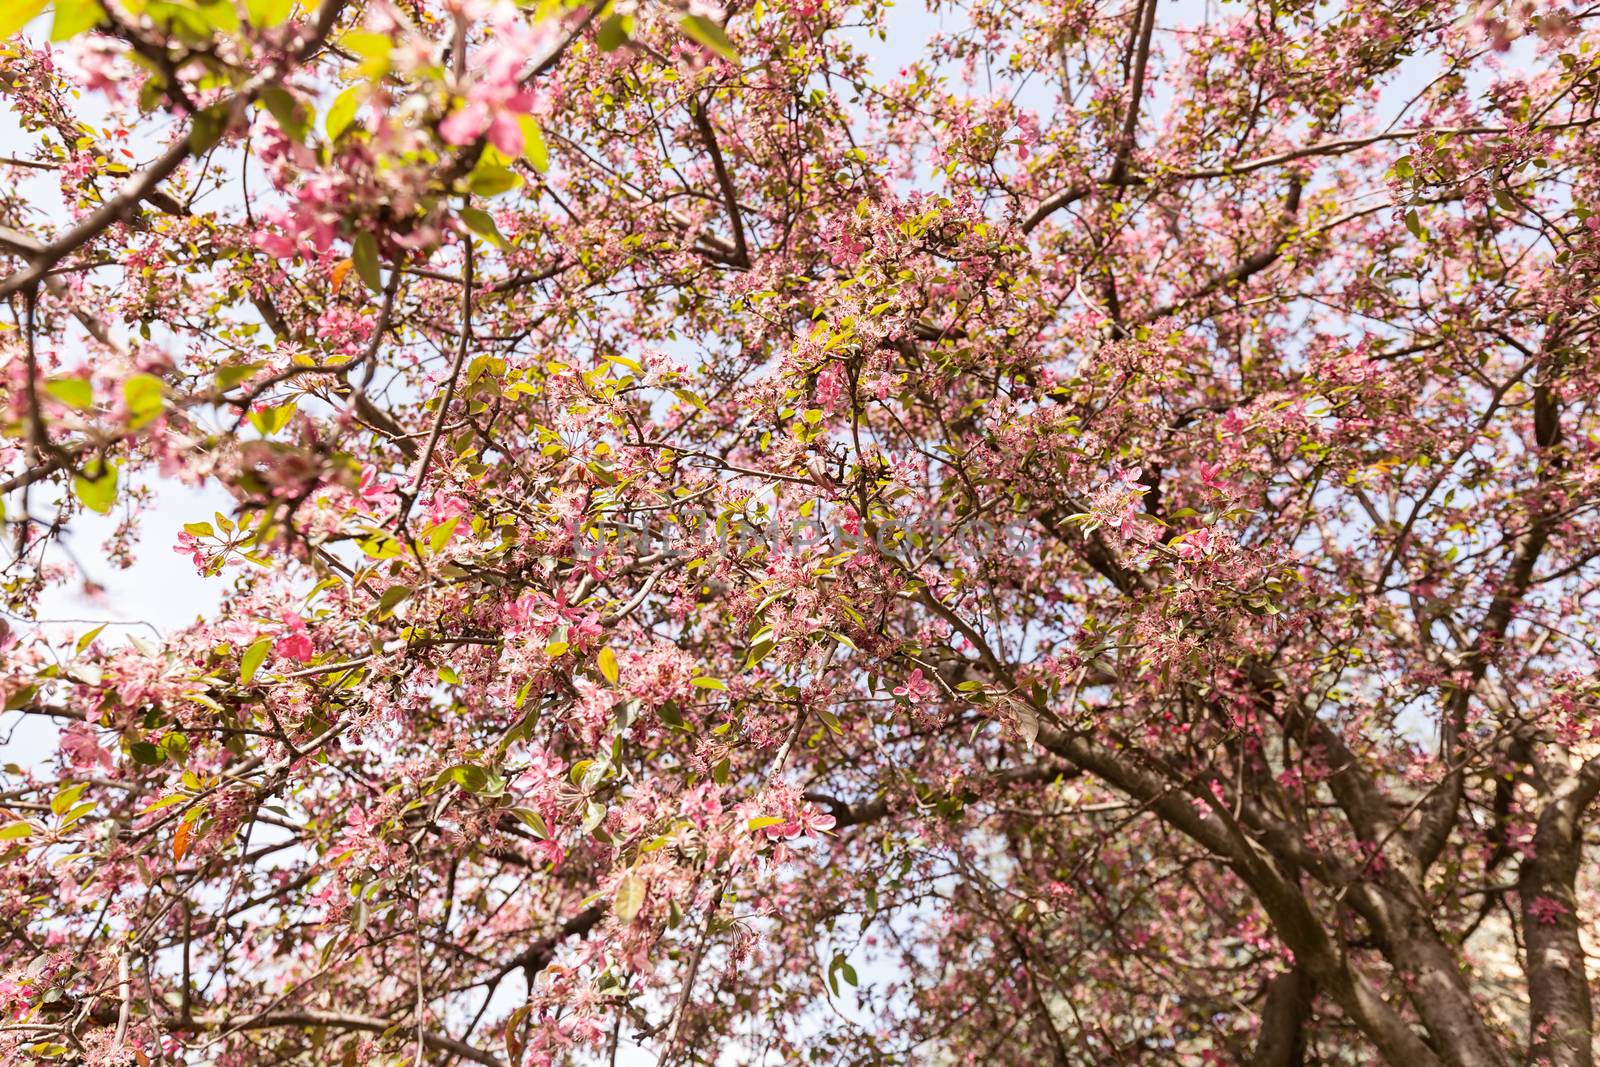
(366, 260)
(165, 802)
(265, 14)
(391, 599)
(438, 535)
(342, 112)
(710, 35)
(76, 812)
(379, 544)
(289, 113)
(491, 179)
(253, 658)
(75, 16)
(73, 392)
(607, 662)
(218, 15)
(143, 395)
(613, 32)
(533, 147)
(708, 683)
(175, 745)
(269, 421)
(689, 397)
(482, 224)
(233, 374)
(207, 128)
(98, 493)
(15, 14)
(761, 822)
(758, 652)
(629, 897)
(374, 48)
(67, 796)
(88, 639)
(532, 820)
(472, 779)
(21, 698)
(146, 753)
(16, 831)
(839, 966)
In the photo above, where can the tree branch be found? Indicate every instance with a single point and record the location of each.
(741, 253)
(141, 185)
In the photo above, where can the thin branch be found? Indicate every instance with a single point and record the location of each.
(741, 253)
(141, 185)
(409, 497)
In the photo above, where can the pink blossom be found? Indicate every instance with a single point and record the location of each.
(296, 643)
(1195, 545)
(916, 688)
(1547, 910)
(82, 749)
(190, 545)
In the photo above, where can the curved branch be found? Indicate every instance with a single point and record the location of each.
(141, 185)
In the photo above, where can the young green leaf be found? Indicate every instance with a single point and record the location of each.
(629, 897)
(253, 658)
(365, 256)
(342, 112)
(265, 14)
(533, 145)
(142, 394)
(472, 779)
(482, 224)
(15, 14)
(709, 34)
(613, 33)
(73, 392)
(75, 16)
(99, 492)
(532, 820)
(607, 662)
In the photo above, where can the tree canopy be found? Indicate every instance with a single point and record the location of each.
(756, 540)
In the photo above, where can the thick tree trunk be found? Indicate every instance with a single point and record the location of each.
(1282, 1041)
(1560, 1005)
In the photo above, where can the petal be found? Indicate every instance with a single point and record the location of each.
(463, 127)
(505, 133)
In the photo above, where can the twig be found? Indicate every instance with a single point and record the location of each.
(143, 184)
(127, 1002)
(725, 181)
(409, 497)
(681, 1008)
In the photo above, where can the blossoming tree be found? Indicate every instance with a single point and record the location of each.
(1080, 550)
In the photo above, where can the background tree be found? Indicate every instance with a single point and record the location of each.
(748, 558)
